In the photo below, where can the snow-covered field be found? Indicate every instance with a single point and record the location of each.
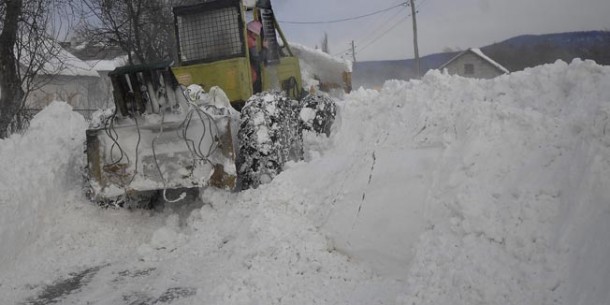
(440, 191)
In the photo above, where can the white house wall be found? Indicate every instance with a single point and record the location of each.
(84, 93)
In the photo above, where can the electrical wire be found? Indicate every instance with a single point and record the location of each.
(196, 149)
(420, 4)
(374, 30)
(135, 118)
(385, 32)
(182, 195)
(344, 19)
(381, 29)
(208, 123)
(383, 35)
(192, 147)
(111, 132)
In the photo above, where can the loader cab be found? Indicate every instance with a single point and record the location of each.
(213, 50)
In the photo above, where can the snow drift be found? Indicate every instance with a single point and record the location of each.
(440, 191)
(35, 166)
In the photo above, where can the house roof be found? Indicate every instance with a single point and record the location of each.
(107, 64)
(62, 63)
(67, 64)
(480, 54)
(98, 56)
(93, 51)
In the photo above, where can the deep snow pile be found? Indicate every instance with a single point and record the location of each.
(33, 167)
(440, 191)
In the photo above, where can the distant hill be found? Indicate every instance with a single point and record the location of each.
(532, 50)
(515, 54)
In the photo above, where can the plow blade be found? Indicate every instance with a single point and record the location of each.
(135, 157)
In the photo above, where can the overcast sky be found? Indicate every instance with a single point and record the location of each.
(455, 24)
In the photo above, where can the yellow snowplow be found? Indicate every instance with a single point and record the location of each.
(166, 132)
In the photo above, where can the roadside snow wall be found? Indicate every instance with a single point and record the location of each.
(36, 169)
(477, 191)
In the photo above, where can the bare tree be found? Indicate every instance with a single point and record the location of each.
(27, 49)
(11, 92)
(142, 28)
(37, 49)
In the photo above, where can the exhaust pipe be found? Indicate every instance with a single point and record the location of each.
(269, 32)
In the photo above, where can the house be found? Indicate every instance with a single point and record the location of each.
(102, 59)
(77, 75)
(474, 64)
(66, 78)
(372, 74)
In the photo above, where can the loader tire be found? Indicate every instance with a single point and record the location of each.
(270, 134)
(318, 113)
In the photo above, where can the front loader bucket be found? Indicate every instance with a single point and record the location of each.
(142, 155)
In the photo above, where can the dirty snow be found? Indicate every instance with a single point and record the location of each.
(440, 191)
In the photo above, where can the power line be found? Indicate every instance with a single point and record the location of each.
(345, 51)
(386, 32)
(344, 19)
(374, 34)
(381, 28)
(374, 28)
(417, 7)
(377, 34)
(377, 29)
(421, 4)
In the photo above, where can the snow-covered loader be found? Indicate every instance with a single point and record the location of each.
(164, 134)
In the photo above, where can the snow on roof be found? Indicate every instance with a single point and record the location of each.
(480, 54)
(69, 65)
(486, 58)
(316, 64)
(63, 63)
(107, 64)
(342, 64)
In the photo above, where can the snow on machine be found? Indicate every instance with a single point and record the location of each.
(166, 133)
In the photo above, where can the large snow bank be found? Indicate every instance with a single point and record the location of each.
(503, 182)
(440, 191)
(472, 191)
(47, 228)
(33, 166)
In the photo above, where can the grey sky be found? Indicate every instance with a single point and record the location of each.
(442, 23)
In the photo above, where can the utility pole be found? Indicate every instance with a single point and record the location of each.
(353, 51)
(417, 64)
